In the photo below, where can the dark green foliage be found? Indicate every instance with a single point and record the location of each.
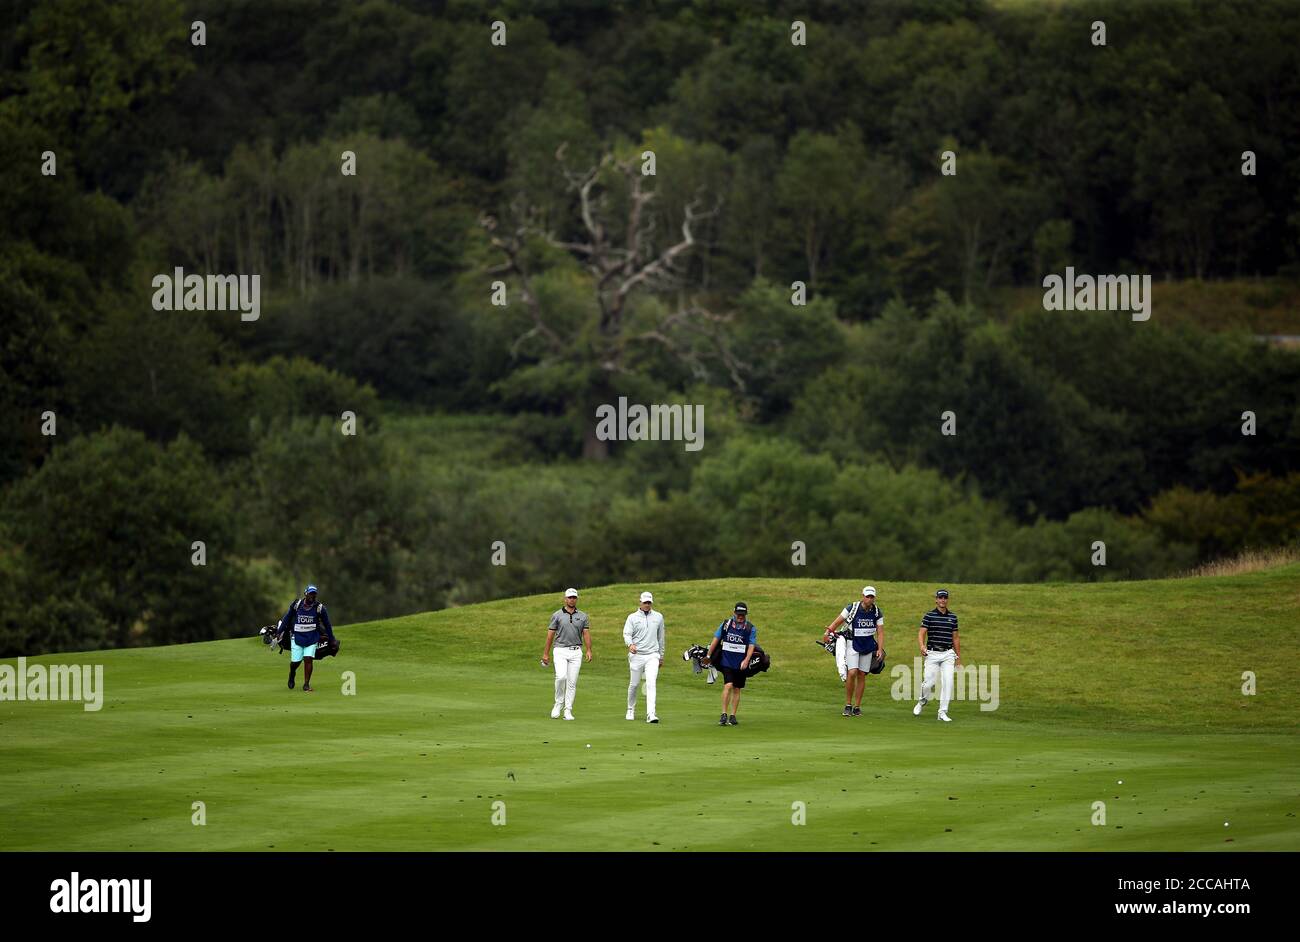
(817, 164)
(1059, 411)
(102, 546)
(408, 339)
(1261, 511)
(344, 512)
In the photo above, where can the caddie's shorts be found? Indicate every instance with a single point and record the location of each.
(296, 653)
(734, 676)
(855, 661)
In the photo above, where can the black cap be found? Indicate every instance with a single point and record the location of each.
(742, 607)
(941, 594)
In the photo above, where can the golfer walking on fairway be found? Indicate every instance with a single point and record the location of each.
(942, 649)
(737, 637)
(643, 633)
(570, 632)
(305, 618)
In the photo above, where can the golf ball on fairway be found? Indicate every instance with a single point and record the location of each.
(588, 745)
(1120, 782)
(1225, 824)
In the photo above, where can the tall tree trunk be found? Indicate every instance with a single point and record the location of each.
(593, 447)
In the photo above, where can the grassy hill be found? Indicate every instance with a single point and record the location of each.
(1098, 684)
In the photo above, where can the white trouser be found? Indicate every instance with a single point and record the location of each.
(568, 661)
(647, 664)
(939, 664)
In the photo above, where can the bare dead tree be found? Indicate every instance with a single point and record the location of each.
(621, 263)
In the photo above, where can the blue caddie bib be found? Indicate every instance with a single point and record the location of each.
(863, 629)
(306, 624)
(735, 642)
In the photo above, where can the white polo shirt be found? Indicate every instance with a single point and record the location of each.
(646, 631)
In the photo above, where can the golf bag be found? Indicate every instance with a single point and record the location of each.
(837, 645)
(275, 639)
(758, 663)
(827, 646)
(281, 641)
(696, 655)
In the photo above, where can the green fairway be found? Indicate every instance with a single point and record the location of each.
(1098, 684)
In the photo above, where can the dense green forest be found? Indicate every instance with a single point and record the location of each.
(500, 152)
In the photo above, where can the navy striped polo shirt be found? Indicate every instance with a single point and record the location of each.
(939, 629)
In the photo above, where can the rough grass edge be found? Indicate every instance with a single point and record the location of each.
(1250, 560)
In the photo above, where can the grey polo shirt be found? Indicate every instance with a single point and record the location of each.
(568, 628)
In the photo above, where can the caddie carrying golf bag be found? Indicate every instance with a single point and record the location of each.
(877, 656)
(698, 653)
(281, 641)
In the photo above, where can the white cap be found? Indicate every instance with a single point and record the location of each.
(869, 590)
(570, 593)
(647, 597)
